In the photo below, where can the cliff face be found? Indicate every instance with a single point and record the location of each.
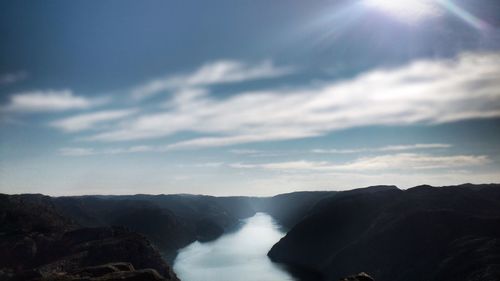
(38, 243)
(424, 233)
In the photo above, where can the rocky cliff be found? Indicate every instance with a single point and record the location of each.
(423, 233)
(38, 243)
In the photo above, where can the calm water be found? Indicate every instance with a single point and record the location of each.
(241, 255)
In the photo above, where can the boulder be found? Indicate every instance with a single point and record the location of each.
(362, 276)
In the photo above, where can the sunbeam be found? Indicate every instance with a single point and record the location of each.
(463, 14)
(406, 10)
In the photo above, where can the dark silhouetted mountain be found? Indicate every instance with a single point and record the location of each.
(169, 221)
(160, 226)
(38, 243)
(289, 208)
(30, 213)
(423, 233)
(239, 206)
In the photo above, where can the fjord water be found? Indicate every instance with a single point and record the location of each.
(240, 255)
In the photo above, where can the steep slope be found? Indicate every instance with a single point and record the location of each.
(38, 243)
(423, 233)
(169, 221)
(289, 208)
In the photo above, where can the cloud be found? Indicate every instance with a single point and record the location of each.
(84, 151)
(11, 78)
(385, 148)
(415, 161)
(219, 72)
(259, 153)
(284, 182)
(76, 151)
(231, 140)
(401, 161)
(245, 151)
(141, 148)
(88, 120)
(414, 146)
(47, 101)
(202, 165)
(423, 92)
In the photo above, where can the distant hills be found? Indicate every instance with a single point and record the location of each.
(423, 233)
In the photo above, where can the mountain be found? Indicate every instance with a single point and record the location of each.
(55, 235)
(38, 243)
(423, 233)
(169, 221)
(290, 208)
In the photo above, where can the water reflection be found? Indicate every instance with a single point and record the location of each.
(241, 255)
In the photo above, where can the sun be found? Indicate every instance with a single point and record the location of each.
(406, 10)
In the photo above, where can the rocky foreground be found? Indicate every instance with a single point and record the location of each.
(37, 243)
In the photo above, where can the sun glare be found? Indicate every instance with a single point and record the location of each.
(406, 10)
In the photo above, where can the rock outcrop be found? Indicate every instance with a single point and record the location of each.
(105, 272)
(38, 243)
(362, 276)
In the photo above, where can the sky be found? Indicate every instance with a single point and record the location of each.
(243, 97)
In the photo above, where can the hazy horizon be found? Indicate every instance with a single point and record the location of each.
(248, 98)
(337, 189)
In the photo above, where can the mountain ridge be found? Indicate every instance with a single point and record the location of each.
(399, 234)
(163, 224)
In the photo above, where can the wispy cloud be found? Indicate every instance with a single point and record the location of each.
(76, 151)
(85, 151)
(424, 91)
(349, 180)
(202, 165)
(259, 153)
(88, 120)
(401, 161)
(415, 161)
(257, 136)
(47, 101)
(245, 151)
(218, 72)
(417, 146)
(11, 78)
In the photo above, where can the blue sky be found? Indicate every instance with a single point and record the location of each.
(247, 97)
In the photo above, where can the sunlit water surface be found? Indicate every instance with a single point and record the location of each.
(241, 255)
